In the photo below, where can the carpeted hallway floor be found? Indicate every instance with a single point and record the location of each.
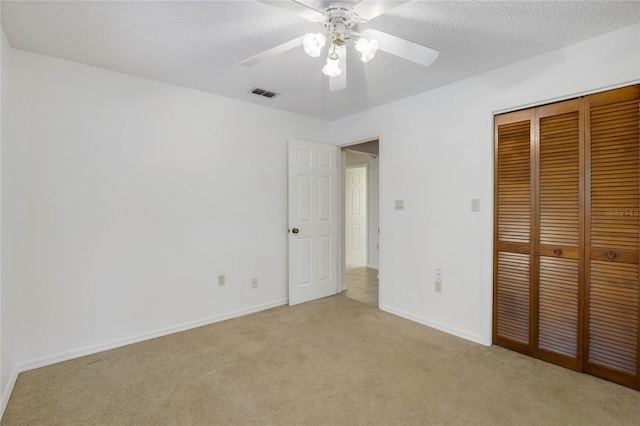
(362, 285)
(334, 361)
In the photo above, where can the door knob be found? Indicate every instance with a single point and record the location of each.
(295, 230)
(610, 254)
(557, 252)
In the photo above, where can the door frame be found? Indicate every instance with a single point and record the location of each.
(342, 262)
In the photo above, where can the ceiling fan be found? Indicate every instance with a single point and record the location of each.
(339, 19)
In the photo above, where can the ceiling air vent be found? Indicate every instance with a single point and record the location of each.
(262, 92)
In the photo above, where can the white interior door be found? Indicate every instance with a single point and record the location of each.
(313, 221)
(356, 216)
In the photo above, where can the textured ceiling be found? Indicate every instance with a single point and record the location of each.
(200, 44)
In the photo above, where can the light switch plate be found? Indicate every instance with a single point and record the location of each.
(399, 204)
(475, 204)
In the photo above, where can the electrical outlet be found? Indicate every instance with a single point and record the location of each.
(221, 280)
(254, 283)
(438, 280)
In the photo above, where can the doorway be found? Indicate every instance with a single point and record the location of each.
(360, 221)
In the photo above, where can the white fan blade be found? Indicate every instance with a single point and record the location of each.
(340, 82)
(298, 8)
(405, 49)
(272, 52)
(369, 9)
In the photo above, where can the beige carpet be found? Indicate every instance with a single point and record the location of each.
(334, 361)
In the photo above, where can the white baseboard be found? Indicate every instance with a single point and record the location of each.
(437, 325)
(89, 350)
(6, 392)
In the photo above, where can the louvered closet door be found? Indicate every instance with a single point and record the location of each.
(613, 199)
(567, 233)
(512, 240)
(559, 234)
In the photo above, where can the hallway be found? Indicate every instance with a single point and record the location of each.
(362, 285)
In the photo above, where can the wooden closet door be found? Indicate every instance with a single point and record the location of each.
(613, 238)
(567, 233)
(559, 250)
(512, 231)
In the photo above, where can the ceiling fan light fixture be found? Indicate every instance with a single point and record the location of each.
(331, 68)
(340, 20)
(313, 44)
(367, 48)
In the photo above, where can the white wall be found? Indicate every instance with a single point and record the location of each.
(128, 197)
(373, 199)
(436, 153)
(8, 372)
(2, 380)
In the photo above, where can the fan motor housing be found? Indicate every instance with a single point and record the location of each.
(326, 4)
(338, 13)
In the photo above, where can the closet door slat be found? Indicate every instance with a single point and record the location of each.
(558, 306)
(514, 186)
